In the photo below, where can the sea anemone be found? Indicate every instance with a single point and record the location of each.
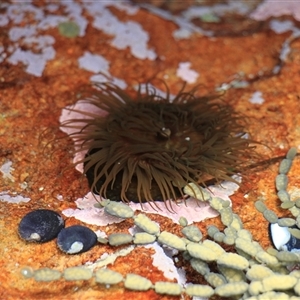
(148, 148)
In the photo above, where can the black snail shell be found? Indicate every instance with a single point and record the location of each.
(40, 225)
(76, 239)
(282, 239)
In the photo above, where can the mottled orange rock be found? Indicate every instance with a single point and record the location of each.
(41, 156)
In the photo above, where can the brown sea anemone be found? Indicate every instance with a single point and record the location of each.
(149, 147)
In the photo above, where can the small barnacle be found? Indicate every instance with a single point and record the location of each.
(117, 239)
(183, 221)
(150, 147)
(287, 222)
(255, 288)
(216, 248)
(192, 233)
(270, 216)
(231, 289)
(171, 240)
(246, 246)
(197, 192)
(76, 239)
(287, 205)
(137, 283)
(291, 153)
(46, 274)
(212, 230)
(265, 257)
(201, 252)
(41, 225)
(200, 266)
(231, 274)
(141, 238)
(215, 279)
(286, 256)
(77, 273)
(260, 206)
(146, 224)
(216, 203)
(168, 288)
(107, 276)
(219, 237)
(119, 210)
(233, 260)
(279, 282)
(226, 216)
(285, 166)
(283, 195)
(258, 272)
(199, 290)
(281, 182)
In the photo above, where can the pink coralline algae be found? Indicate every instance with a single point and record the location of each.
(271, 8)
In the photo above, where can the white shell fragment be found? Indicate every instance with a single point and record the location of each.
(233, 260)
(196, 192)
(285, 166)
(199, 290)
(27, 272)
(270, 216)
(118, 209)
(106, 276)
(172, 240)
(77, 273)
(46, 274)
(141, 238)
(202, 252)
(278, 282)
(231, 289)
(146, 224)
(167, 288)
(279, 235)
(192, 233)
(137, 283)
(281, 182)
(117, 239)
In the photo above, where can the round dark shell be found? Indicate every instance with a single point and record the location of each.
(41, 226)
(76, 239)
